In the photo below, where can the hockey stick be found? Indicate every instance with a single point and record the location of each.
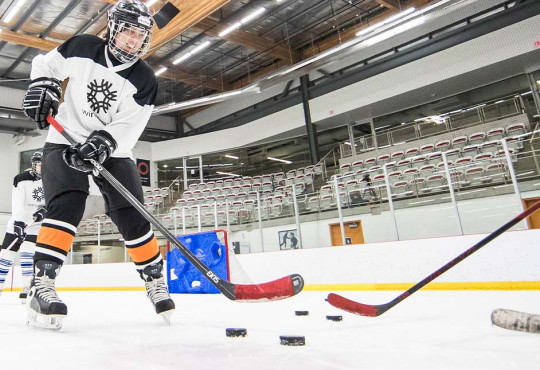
(4, 251)
(375, 310)
(278, 289)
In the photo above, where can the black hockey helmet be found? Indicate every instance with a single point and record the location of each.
(35, 159)
(133, 15)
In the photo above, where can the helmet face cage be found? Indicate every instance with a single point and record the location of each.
(130, 24)
(36, 159)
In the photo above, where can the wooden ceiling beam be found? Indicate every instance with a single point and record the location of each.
(248, 40)
(47, 45)
(390, 4)
(351, 32)
(28, 41)
(191, 12)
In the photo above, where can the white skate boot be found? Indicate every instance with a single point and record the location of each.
(157, 291)
(45, 309)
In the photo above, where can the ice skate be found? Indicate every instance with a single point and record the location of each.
(157, 291)
(45, 309)
(23, 294)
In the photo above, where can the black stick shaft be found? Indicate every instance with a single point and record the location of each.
(223, 286)
(465, 254)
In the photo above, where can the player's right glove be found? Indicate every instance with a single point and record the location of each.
(99, 146)
(18, 228)
(39, 215)
(42, 99)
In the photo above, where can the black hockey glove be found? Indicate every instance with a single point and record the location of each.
(41, 99)
(99, 146)
(18, 228)
(39, 215)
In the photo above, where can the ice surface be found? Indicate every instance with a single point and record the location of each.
(119, 330)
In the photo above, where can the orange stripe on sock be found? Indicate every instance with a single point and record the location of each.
(55, 238)
(145, 251)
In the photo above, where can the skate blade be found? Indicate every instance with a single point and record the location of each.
(49, 322)
(23, 300)
(166, 316)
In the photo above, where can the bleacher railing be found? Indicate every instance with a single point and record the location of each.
(482, 113)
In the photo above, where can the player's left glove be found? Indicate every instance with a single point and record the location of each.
(18, 228)
(39, 215)
(99, 146)
(42, 99)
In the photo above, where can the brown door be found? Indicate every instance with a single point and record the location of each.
(353, 233)
(534, 219)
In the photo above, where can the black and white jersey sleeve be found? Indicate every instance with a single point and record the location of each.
(101, 94)
(26, 197)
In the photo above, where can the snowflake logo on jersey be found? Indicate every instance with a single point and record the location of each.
(37, 194)
(100, 95)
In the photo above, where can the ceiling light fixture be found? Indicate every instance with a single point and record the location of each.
(160, 71)
(14, 10)
(242, 21)
(230, 156)
(192, 52)
(279, 160)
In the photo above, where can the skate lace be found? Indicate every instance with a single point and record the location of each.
(45, 289)
(157, 290)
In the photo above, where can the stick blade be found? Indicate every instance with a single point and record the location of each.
(283, 288)
(353, 307)
(516, 320)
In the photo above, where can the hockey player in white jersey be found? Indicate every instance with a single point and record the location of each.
(28, 210)
(107, 104)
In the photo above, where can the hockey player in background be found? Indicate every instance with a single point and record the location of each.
(107, 104)
(27, 212)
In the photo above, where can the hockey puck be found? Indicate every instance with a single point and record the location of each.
(301, 313)
(235, 332)
(334, 318)
(287, 340)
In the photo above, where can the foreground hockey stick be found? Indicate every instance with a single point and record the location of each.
(278, 289)
(376, 310)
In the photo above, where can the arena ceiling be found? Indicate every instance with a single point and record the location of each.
(285, 33)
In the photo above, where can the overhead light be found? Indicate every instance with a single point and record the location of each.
(229, 29)
(243, 21)
(192, 52)
(231, 156)
(227, 173)
(279, 160)
(165, 165)
(253, 15)
(14, 11)
(160, 71)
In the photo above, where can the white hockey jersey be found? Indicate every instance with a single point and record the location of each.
(101, 94)
(26, 197)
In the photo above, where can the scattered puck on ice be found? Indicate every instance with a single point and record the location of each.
(292, 340)
(301, 313)
(334, 318)
(235, 332)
